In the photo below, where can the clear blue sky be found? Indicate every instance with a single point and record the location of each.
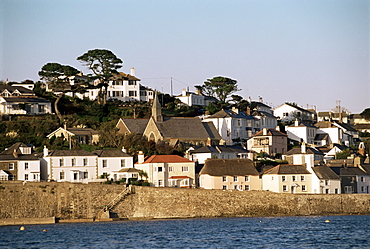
(312, 52)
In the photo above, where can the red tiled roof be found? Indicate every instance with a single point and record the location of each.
(166, 159)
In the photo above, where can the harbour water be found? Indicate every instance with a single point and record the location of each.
(266, 232)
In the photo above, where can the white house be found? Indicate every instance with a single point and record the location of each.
(19, 162)
(115, 164)
(233, 125)
(338, 132)
(201, 154)
(289, 112)
(70, 165)
(190, 98)
(301, 132)
(167, 170)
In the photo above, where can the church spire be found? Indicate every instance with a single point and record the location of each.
(157, 109)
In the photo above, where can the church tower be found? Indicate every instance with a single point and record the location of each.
(157, 109)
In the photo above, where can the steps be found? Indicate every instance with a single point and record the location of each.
(104, 213)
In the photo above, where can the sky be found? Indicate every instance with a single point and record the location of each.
(311, 52)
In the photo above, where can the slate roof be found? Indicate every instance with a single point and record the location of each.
(345, 126)
(70, 153)
(366, 168)
(301, 124)
(230, 114)
(124, 76)
(262, 114)
(297, 107)
(228, 167)
(309, 150)
(219, 149)
(185, 128)
(211, 130)
(166, 159)
(270, 132)
(325, 173)
(8, 154)
(288, 169)
(25, 99)
(137, 125)
(110, 153)
(348, 171)
(322, 136)
(21, 89)
(82, 131)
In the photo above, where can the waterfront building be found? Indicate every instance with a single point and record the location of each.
(269, 141)
(167, 170)
(19, 163)
(229, 174)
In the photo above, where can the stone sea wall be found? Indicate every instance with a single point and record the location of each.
(84, 201)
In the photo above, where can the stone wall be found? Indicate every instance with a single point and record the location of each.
(84, 201)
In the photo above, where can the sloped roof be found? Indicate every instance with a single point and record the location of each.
(270, 132)
(70, 153)
(362, 126)
(82, 131)
(184, 128)
(25, 100)
(8, 154)
(230, 114)
(348, 171)
(296, 107)
(345, 126)
(16, 147)
(166, 159)
(324, 124)
(301, 124)
(288, 169)
(322, 136)
(211, 130)
(110, 153)
(219, 149)
(135, 125)
(309, 150)
(263, 114)
(22, 90)
(128, 170)
(325, 173)
(124, 76)
(228, 167)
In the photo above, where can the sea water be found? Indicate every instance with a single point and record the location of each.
(267, 232)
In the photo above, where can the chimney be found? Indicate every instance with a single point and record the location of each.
(248, 111)
(183, 92)
(296, 122)
(140, 157)
(303, 148)
(277, 128)
(124, 150)
(132, 71)
(46, 151)
(234, 109)
(15, 154)
(264, 131)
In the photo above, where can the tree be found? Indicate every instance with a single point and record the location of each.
(218, 87)
(103, 63)
(366, 114)
(56, 76)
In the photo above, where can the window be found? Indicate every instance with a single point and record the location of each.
(294, 178)
(235, 178)
(170, 169)
(327, 191)
(132, 93)
(304, 188)
(26, 177)
(61, 162)
(285, 188)
(75, 176)
(302, 179)
(85, 175)
(235, 187)
(246, 178)
(11, 166)
(224, 187)
(224, 179)
(246, 187)
(73, 162)
(160, 169)
(326, 182)
(85, 161)
(105, 164)
(123, 163)
(25, 165)
(283, 178)
(42, 108)
(160, 183)
(132, 82)
(362, 179)
(336, 191)
(61, 175)
(185, 169)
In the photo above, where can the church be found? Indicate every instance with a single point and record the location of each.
(184, 131)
